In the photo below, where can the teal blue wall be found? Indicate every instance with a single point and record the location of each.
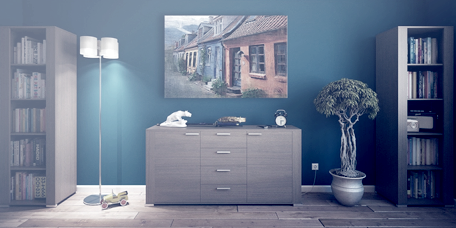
(10, 12)
(327, 40)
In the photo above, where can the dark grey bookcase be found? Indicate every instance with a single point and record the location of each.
(392, 169)
(60, 106)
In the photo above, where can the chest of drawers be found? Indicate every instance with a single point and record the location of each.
(232, 165)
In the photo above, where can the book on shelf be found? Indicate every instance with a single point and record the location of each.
(28, 85)
(40, 186)
(38, 85)
(422, 84)
(27, 186)
(28, 120)
(422, 185)
(423, 151)
(28, 152)
(29, 51)
(422, 50)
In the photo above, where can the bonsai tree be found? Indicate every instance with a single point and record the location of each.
(348, 99)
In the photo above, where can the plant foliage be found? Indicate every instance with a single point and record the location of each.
(182, 66)
(348, 99)
(254, 93)
(219, 86)
(202, 59)
(194, 77)
(206, 79)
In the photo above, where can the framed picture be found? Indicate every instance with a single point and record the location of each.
(226, 56)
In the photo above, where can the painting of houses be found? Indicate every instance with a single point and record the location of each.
(226, 56)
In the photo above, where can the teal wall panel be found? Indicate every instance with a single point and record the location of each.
(10, 13)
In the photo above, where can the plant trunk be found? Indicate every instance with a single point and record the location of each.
(347, 148)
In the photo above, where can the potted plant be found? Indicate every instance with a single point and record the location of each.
(348, 99)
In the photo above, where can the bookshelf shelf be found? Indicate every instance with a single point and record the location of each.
(426, 99)
(37, 142)
(424, 65)
(423, 167)
(401, 175)
(424, 134)
(27, 100)
(28, 65)
(22, 168)
(29, 134)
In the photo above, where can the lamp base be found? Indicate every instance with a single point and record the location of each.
(93, 200)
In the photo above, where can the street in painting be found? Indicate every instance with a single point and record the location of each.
(226, 56)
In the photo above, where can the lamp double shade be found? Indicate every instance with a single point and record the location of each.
(108, 47)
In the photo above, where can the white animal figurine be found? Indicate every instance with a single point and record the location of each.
(175, 119)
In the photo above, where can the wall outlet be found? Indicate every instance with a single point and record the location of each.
(314, 166)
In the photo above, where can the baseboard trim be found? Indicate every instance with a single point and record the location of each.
(90, 189)
(327, 188)
(106, 189)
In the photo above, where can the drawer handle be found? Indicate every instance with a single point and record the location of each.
(223, 170)
(192, 134)
(254, 134)
(223, 152)
(224, 189)
(223, 134)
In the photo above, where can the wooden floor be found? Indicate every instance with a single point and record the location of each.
(318, 210)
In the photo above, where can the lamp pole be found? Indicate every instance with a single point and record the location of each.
(108, 48)
(99, 134)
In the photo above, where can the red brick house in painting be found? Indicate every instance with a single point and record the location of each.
(256, 55)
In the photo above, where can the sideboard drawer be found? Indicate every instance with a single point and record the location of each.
(224, 194)
(223, 156)
(223, 138)
(223, 174)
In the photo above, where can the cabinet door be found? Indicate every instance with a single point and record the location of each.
(177, 167)
(269, 167)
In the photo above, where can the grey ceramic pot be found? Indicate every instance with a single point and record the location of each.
(347, 190)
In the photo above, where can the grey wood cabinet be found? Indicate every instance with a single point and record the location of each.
(59, 103)
(223, 165)
(394, 172)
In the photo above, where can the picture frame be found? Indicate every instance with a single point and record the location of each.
(226, 56)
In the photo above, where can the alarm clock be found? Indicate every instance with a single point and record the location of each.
(280, 117)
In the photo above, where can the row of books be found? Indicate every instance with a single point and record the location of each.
(422, 185)
(28, 85)
(422, 84)
(423, 151)
(30, 51)
(28, 186)
(28, 120)
(422, 50)
(28, 152)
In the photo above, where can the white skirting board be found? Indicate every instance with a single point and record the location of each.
(92, 189)
(107, 189)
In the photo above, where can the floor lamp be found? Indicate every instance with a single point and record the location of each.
(107, 48)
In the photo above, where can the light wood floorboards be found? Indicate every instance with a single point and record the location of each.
(318, 210)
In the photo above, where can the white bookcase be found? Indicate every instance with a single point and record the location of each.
(51, 136)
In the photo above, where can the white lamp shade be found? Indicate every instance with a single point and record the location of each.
(88, 46)
(109, 48)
